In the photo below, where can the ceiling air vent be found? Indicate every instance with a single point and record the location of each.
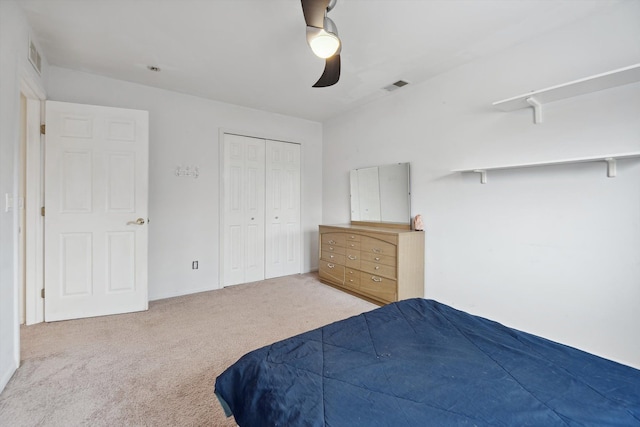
(396, 85)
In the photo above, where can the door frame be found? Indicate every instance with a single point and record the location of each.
(33, 278)
(259, 135)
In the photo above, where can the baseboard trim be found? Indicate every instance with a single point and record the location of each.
(181, 293)
(6, 377)
(196, 291)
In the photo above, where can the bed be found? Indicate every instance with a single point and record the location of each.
(418, 362)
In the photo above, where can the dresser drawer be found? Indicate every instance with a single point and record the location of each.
(333, 257)
(378, 269)
(337, 239)
(352, 259)
(353, 245)
(379, 259)
(378, 287)
(378, 247)
(334, 249)
(352, 237)
(332, 272)
(352, 277)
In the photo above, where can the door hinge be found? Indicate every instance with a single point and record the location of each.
(42, 293)
(42, 211)
(43, 129)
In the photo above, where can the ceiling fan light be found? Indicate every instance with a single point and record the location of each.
(324, 44)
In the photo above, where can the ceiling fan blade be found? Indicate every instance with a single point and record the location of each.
(331, 73)
(314, 11)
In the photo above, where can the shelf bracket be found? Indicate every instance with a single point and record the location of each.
(483, 175)
(611, 167)
(537, 109)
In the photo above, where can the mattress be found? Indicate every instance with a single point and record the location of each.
(419, 362)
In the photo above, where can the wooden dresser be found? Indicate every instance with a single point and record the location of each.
(379, 264)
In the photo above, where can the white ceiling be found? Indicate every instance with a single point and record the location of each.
(254, 52)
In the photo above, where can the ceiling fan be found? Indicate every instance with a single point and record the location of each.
(322, 37)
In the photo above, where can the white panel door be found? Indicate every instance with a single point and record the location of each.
(282, 209)
(243, 216)
(96, 184)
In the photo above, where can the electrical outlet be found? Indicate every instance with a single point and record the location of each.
(194, 265)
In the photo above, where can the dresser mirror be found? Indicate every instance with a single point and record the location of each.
(381, 194)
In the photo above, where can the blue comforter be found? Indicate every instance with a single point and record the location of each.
(421, 363)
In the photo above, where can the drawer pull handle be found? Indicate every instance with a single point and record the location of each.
(376, 279)
(377, 258)
(352, 237)
(330, 265)
(377, 267)
(353, 246)
(331, 256)
(377, 250)
(351, 280)
(332, 242)
(352, 257)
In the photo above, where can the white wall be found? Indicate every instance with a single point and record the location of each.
(14, 67)
(183, 212)
(550, 250)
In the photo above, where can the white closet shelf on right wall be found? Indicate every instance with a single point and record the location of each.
(538, 98)
(610, 160)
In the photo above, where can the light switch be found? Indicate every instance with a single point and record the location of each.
(8, 202)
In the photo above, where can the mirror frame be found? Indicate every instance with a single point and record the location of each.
(387, 224)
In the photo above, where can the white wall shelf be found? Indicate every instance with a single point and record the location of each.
(538, 98)
(609, 159)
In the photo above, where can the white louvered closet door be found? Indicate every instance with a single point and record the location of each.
(243, 224)
(282, 209)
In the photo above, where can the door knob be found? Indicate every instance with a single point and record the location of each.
(139, 221)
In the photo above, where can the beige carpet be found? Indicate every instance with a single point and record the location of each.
(158, 368)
